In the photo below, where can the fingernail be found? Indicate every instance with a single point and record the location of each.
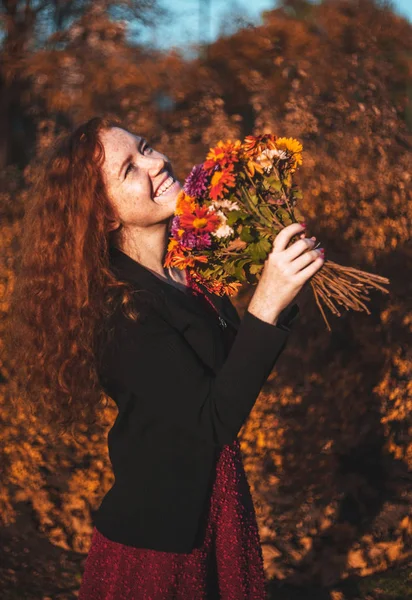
(303, 225)
(321, 250)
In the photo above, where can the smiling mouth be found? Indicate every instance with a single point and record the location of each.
(166, 185)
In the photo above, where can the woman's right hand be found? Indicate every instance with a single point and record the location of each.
(285, 272)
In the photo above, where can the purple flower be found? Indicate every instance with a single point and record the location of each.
(203, 241)
(175, 226)
(188, 239)
(196, 182)
(200, 241)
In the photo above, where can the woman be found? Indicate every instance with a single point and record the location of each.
(183, 369)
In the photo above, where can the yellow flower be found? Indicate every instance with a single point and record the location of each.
(294, 147)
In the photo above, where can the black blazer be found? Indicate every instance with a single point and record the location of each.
(181, 395)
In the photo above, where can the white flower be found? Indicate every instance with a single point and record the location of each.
(226, 204)
(265, 158)
(224, 230)
(269, 154)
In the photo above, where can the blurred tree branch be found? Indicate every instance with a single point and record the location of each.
(29, 25)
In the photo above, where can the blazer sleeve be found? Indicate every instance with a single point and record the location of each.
(171, 384)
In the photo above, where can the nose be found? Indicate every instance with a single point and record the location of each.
(157, 164)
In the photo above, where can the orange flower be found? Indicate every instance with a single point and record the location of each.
(172, 245)
(224, 154)
(182, 261)
(216, 287)
(200, 220)
(221, 182)
(184, 203)
(220, 288)
(179, 260)
(232, 288)
(252, 167)
(174, 252)
(255, 144)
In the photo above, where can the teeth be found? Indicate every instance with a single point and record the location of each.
(165, 186)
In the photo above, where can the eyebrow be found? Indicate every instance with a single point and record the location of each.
(129, 158)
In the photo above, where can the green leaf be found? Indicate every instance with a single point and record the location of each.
(276, 185)
(283, 214)
(234, 215)
(246, 235)
(229, 267)
(254, 199)
(260, 249)
(239, 271)
(255, 269)
(272, 181)
(240, 274)
(287, 181)
(266, 212)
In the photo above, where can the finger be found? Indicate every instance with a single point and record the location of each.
(304, 260)
(285, 235)
(308, 272)
(299, 247)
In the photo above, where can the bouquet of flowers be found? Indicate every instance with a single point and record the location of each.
(231, 208)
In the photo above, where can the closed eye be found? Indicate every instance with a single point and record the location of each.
(131, 164)
(127, 170)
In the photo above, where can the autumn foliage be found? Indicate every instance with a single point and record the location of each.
(328, 446)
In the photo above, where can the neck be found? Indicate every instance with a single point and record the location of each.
(148, 246)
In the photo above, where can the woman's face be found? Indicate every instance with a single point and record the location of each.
(139, 180)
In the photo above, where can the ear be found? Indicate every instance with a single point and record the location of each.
(113, 225)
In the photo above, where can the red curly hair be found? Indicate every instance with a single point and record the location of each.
(64, 291)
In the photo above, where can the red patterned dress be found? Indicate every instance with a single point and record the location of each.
(228, 565)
